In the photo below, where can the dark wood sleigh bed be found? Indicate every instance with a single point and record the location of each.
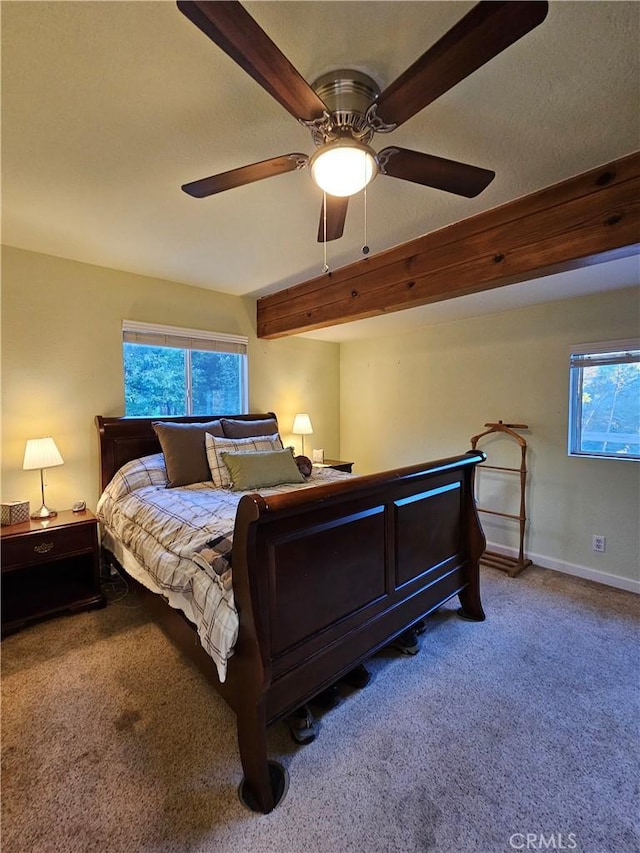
(322, 579)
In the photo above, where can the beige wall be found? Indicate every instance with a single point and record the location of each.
(62, 364)
(382, 403)
(419, 396)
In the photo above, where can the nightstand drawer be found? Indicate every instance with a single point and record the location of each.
(47, 545)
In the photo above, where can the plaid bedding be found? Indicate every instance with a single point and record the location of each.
(183, 537)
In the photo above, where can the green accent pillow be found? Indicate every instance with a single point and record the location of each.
(261, 469)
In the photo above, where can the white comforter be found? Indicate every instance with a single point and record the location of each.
(182, 539)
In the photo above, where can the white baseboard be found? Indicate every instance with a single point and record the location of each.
(628, 584)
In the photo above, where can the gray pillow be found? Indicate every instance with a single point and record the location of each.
(261, 469)
(247, 429)
(184, 451)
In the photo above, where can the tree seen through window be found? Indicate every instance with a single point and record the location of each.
(166, 381)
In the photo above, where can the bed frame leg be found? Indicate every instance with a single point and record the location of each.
(471, 608)
(265, 783)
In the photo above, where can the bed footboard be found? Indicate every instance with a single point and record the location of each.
(323, 578)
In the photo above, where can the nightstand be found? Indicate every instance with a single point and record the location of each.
(49, 567)
(336, 464)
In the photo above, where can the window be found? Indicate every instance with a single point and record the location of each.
(604, 405)
(171, 371)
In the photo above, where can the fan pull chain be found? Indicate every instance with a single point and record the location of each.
(365, 247)
(325, 266)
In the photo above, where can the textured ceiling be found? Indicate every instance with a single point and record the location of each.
(108, 107)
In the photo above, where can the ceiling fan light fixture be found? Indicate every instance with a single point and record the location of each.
(344, 167)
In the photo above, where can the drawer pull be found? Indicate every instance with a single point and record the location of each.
(44, 548)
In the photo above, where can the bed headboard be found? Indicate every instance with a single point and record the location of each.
(123, 439)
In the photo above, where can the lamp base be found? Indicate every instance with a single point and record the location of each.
(43, 512)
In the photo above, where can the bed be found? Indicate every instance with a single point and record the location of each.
(322, 578)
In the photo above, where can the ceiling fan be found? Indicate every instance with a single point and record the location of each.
(345, 109)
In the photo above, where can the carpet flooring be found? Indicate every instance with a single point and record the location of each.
(518, 733)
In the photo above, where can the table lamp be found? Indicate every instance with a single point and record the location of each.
(42, 453)
(302, 426)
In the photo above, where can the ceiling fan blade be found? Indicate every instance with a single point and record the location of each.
(336, 215)
(245, 175)
(233, 29)
(484, 32)
(431, 171)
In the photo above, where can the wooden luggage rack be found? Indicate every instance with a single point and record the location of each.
(513, 566)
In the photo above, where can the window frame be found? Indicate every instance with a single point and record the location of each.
(190, 340)
(599, 353)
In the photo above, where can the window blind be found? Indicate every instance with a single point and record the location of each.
(602, 354)
(151, 334)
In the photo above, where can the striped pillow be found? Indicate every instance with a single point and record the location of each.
(216, 446)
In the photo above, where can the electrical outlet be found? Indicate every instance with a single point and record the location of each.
(599, 543)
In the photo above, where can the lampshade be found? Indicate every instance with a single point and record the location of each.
(343, 167)
(41, 453)
(302, 425)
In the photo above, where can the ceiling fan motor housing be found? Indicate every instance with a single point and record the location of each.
(347, 94)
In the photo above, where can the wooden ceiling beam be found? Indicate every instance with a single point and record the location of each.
(584, 220)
